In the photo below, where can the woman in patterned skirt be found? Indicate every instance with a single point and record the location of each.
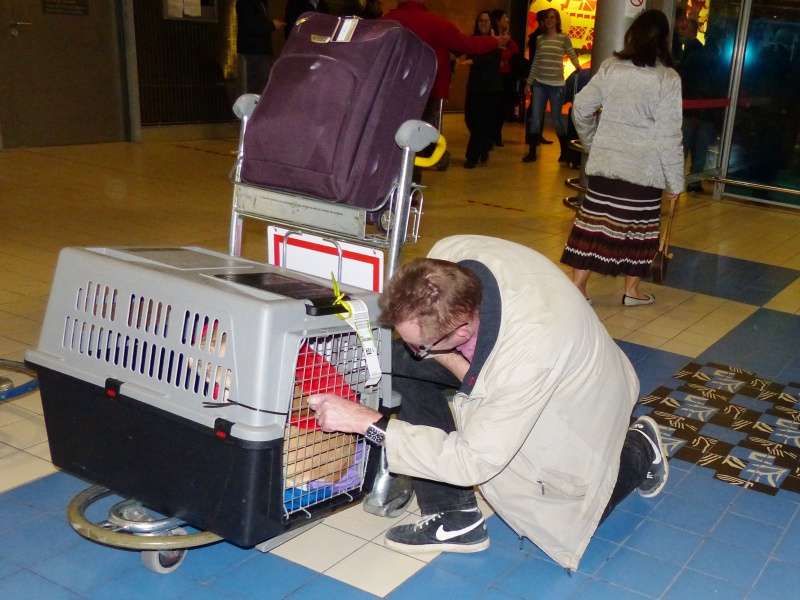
(635, 152)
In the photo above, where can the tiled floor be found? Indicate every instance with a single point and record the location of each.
(733, 296)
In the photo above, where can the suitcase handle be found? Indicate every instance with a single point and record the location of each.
(438, 152)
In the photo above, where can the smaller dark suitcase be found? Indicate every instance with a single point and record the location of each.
(325, 125)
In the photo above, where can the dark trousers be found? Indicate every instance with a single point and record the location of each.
(481, 114)
(423, 385)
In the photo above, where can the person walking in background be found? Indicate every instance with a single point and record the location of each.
(484, 100)
(444, 37)
(694, 67)
(635, 152)
(295, 8)
(546, 80)
(254, 29)
(508, 75)
(540, 15)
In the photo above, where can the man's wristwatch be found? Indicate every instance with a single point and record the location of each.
(376, 432)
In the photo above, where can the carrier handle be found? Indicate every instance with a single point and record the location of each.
(438, 152)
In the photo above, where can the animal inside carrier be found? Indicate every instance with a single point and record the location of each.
(180, 377)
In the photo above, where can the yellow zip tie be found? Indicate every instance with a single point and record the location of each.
(339, 299)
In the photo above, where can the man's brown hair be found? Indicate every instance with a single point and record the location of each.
(437, 294)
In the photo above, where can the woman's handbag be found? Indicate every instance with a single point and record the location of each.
(658, 266)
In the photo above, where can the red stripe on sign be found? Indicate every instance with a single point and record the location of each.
(372, 261)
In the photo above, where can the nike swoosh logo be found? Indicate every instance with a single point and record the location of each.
(443, 535)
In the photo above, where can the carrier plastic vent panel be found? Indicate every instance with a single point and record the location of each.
(138, 344)
(187, 330)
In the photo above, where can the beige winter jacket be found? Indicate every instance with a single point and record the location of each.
(638, 137)
(542, 420)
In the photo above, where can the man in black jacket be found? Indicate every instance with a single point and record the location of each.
(254, 43)
(295, 8)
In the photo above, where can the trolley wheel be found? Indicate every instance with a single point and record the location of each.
(164, 562)
(120, 539)
(384, 222)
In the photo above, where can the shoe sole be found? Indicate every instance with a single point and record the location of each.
(628, 301)
(443, 547)
(656, 490)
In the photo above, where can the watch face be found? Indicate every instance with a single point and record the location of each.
(374, 435)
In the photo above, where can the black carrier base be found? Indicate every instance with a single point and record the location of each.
(228, 486)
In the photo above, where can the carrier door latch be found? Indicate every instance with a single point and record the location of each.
(113, 388)
(222, 428)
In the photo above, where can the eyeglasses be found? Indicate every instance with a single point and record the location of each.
(424, 351)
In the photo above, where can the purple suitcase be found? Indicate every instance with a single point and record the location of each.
(324, 126)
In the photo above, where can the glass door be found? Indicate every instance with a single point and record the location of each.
(764, 157)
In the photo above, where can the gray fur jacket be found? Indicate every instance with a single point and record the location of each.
(638, 137)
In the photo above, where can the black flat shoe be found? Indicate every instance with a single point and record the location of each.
(469, 164)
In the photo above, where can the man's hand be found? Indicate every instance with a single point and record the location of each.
(334, 413)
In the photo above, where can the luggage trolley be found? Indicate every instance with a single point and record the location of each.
(150, 386)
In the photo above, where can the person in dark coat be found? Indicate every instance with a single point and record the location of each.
(295, 8)
(484, 98)
(254, 43)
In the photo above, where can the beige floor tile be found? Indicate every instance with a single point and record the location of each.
(660, 330)
(24, 433)
(646, 339)
(696, 339)
(306, 548)
(356, 521)
(31, 402)
(9, 347)
(736, 310)
(20, 468)
(12, 412)
(623, 320)
(787, 300)
(690, 350)
(618, 333)
(41, 450)
(669, 321)
(711, 328)
(702, 302)
(375, 569)
(5, 449)
(485, 507)
(689, 313)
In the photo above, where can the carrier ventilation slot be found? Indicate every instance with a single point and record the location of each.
(203, 333)
(146, 314)
(207, 380)
(318, 465)
(97, 300)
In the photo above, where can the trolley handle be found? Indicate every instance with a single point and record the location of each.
(438, 152)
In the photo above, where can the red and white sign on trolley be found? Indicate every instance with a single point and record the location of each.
(315, 255)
